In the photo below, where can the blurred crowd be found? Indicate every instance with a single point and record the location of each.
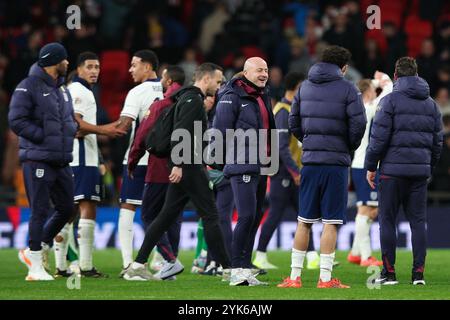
(289, 34)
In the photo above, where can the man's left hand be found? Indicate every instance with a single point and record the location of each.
(176, 175)
(371, 178)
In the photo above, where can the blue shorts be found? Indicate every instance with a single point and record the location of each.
(365, 195)
(323, 194)
(87, 183)
(132, 189)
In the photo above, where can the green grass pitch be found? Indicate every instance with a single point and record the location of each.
(190, 286)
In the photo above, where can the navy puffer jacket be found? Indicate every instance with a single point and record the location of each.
(406, 133)
(327, 116)
(41, 114)
(236, 109)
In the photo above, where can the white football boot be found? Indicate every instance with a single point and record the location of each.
(33, 261)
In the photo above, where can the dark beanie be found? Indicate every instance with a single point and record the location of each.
(51, 54)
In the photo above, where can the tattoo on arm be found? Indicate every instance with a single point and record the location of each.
(125, 123)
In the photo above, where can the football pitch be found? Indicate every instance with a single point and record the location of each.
(191, 286)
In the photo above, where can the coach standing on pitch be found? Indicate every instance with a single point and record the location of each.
(406, 139)
(41, 114)
(245, 105)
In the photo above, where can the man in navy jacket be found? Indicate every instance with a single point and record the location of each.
(41, 114)
(245, 105)
(328, 117)
(406, 139)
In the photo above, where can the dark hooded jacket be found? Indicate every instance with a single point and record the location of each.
(328, 117)
(41, 114)
(406, 134)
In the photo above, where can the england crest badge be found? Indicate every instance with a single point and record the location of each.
(40, 173)
(285, 183)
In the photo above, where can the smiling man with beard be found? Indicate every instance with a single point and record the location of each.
(246, 105)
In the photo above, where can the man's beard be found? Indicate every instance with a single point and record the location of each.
(62, 71)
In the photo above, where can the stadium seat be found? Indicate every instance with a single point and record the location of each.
(392, 11)
(417, 30)
(115, 77)
(379, 37)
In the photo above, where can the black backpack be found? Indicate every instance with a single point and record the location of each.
(158, 141)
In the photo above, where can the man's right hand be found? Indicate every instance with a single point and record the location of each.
(130, 170)
(111, 130)
(297, 180)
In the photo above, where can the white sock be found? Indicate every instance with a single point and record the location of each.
(261, 255)
(364, 242)
(326, 266)
(86, 229)
(137, 265)
(356, 238)
(361, 242)
(61, 248)
(297, 258)
(126, 218)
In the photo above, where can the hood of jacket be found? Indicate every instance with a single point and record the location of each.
(414, 87)
(324, 72)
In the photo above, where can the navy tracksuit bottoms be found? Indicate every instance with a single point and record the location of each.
(248, 192)
(46, 184)
(152, 202)
(394, 192)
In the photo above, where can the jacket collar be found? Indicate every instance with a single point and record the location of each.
(153, 80)
(172, 89)
(37, 71)
(82, 81)
(237, 85)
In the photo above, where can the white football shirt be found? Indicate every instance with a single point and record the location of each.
(136, 105)
(85, 150)
(371, 109)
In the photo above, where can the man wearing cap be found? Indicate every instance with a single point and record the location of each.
(41, 114)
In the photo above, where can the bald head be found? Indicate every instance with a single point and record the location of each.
(256, 71)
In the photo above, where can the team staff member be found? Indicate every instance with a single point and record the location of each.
(189, 181)
(41, 114)
(143, 70)
(245, 105)
(328, 117)
(406, 139)
(157, 176)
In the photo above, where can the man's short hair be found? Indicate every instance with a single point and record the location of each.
(405, 67)
(364, 85)
(205, 68)
(87, 55)
(336, 55)
(148, 56)
(292, 79)
(176, 74)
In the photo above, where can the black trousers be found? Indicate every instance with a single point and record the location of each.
(193, 186)
(394, 192)
(152, 202)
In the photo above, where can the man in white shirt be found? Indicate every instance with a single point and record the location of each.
(85, 166)
(143, 70)
(367, 198)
